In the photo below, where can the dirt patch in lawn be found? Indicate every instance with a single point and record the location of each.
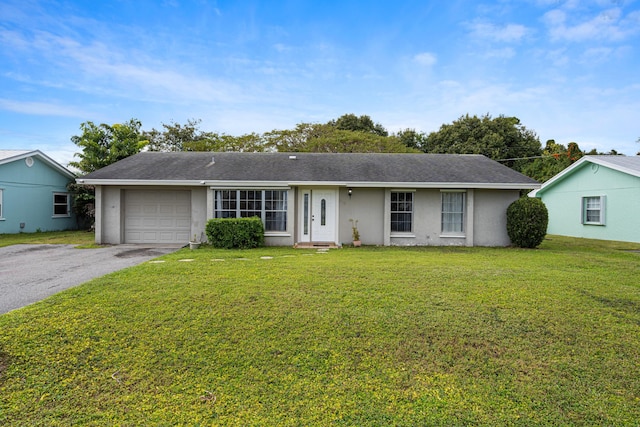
(134, 253)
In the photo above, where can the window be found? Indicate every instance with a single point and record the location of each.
(323, 212)
(268, 205)
(226, 204)
(306, 214)
(1, 217)
(453, 212)
(250, 203)
(60, 204)
(593, 210)
(275, 210)
(401, 212)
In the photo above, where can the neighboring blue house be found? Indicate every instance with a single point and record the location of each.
(33, 193)
(597, 197)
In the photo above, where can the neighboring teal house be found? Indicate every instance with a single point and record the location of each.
(597, 197)
(33, 193)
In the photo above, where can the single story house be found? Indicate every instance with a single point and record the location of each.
(597, 197)
(308, 198)
(33, 193)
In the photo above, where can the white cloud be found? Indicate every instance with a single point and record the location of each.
(41, 108)
(95, 67)
(601, 55)
(609, 25)
(426, 59)
(509, 33)
(280, 47)
(557, 57)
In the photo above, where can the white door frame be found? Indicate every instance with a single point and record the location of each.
(318, 215)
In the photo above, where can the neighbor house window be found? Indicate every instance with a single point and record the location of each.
(453, 212)
(60, 204)
(1, 217)
(401, 212)
(268, 205)
(593, 210)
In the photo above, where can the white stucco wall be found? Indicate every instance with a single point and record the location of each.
(199, 213)
(367, 206)
(490, 216)
(485, 217)
(109, 215)
(485, 220)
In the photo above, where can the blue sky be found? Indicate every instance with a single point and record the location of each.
(569, 69)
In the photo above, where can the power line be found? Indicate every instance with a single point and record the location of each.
(522, 158)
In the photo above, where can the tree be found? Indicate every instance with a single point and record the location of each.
(345, 141)
(348, 133)
(358, 124)
(292, 140)
(83, 203)
(555, 158)
(501, 138)
(328, 138)
(176, 137)
(101, 145)
(251, 142)
(412, 139)
(105, 144)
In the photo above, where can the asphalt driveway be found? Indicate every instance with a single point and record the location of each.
(29, 273)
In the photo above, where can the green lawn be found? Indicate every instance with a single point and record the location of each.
(367, 336)
(49, 237)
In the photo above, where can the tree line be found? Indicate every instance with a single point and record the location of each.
(501, 138)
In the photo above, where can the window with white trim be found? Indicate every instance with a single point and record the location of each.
(269, 205)
(453, 203)
(593, 210)
(61, 205)
(1, 190)
(401, 212)
(275, 210)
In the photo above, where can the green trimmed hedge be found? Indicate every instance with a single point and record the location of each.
(527, 220)
(235, 233)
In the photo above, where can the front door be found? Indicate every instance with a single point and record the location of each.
(318, 215)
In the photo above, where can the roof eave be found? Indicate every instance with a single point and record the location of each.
(447, 185)
(286, 184)
(141, 182)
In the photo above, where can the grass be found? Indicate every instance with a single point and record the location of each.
(77, 237)
(368, 336)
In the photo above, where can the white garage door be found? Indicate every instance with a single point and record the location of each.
(157, 216)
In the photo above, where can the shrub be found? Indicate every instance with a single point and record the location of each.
(527, 220)
(238, 233)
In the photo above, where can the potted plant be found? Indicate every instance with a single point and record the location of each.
(194, 243)
(355, 234)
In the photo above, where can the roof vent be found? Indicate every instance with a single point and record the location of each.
(293, 157)
(213, 160)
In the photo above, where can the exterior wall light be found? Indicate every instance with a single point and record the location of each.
(350, 191)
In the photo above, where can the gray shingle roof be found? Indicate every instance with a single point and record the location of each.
(311, 167)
